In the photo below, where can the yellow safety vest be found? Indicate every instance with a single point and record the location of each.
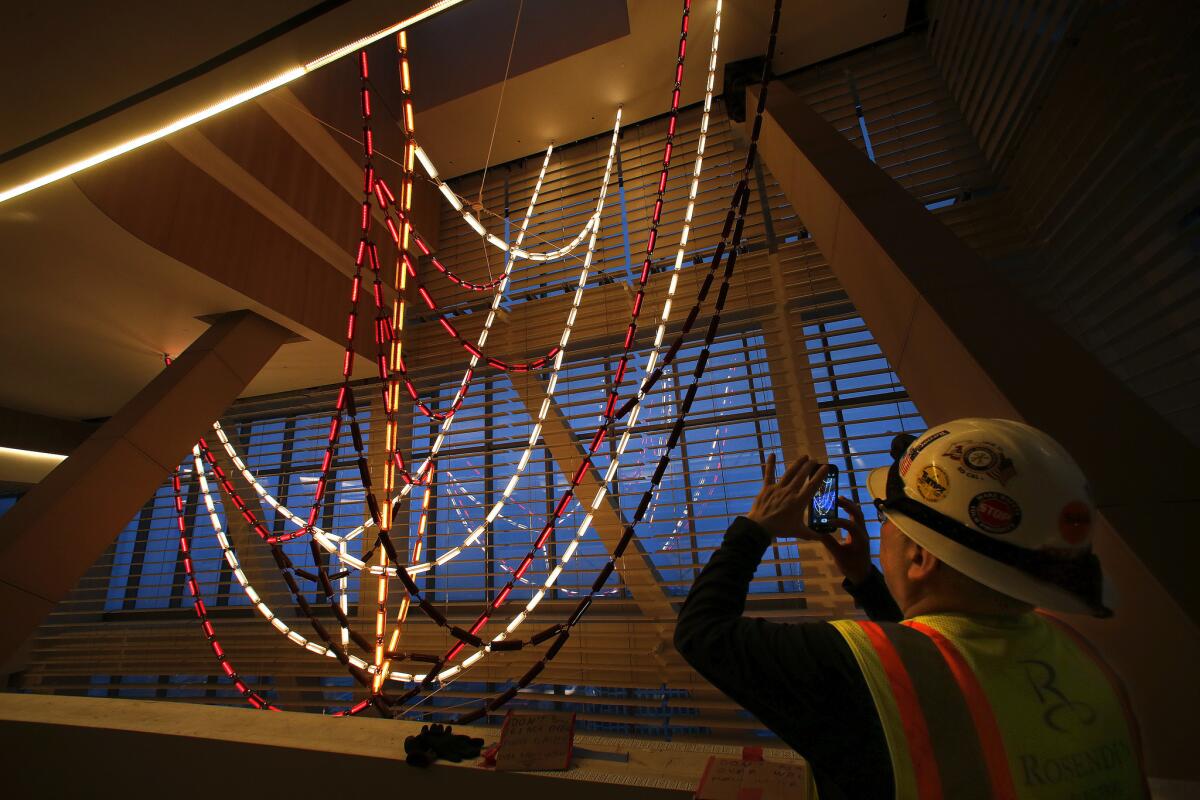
(998, 708)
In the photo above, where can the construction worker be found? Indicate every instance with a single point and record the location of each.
(956, 687)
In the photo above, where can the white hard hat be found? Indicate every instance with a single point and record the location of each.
(1002, 503)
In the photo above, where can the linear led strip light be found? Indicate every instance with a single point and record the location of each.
(473, 222)
(329, 540)
(224, 105)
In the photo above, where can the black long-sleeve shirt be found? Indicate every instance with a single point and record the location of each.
(800, 680)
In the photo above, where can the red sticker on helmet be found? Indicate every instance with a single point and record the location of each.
(995, 513)
(1075, 522)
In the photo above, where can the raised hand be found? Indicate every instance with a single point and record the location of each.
(779, 507)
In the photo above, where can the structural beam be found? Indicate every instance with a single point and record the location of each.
(174, 206)
(966, 343)
(202, 152)
(313, 136)
(62, 525)
(24, 431)
(635, 567)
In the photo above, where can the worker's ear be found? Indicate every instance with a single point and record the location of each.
(921, 563)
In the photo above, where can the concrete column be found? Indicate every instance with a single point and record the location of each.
(62, 525)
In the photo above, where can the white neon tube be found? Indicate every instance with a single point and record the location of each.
(230, 555)
(473, 222)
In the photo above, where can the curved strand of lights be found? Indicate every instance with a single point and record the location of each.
(329, 540)
(450, 329)
(615, 460)
(530, 606)
(736, 216)
(365, 253)
(189, 569)
(465, 521)
(414, 556)
(564, 631)
(391, 396)
(289, 572)
(543, 411)
(230, 555)
(514, 250)
(388, 369)
(614, 464)
(622, 364)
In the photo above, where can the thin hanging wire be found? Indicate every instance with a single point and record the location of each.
(500, 105)
(512, 46)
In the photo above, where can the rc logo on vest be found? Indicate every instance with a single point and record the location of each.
(1060, 713)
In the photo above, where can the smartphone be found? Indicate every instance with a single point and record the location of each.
(822, 511)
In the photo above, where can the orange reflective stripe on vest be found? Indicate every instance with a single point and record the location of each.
(912, 716)
(1000, 708)
(987, 731)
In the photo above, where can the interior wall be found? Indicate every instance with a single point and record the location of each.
(1086, 113)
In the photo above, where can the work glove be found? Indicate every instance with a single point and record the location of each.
(437, 741)
(453, 746)
(418, 752)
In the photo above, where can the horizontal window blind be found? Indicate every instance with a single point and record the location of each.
(1099, 171)
(892, 97)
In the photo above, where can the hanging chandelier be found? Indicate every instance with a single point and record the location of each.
(382, 560)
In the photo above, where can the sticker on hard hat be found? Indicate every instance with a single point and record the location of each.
(1075, 522)
(993, 512)
(982, 459)
(916, 449)
(933, 483)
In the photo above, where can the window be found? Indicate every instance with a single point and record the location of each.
(861, 403)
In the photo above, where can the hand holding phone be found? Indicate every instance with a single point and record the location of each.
(852, 554)
(822, 510)
(780, 506)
